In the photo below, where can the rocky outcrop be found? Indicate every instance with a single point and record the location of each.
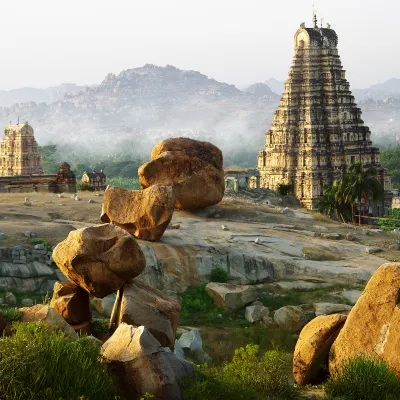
(48, 316)
(141, 365)
(192, 167)
(311, 353)
(373, 324)
(71, 302)
(105, 305)
(143, 213)
(231, 297)
(99, 259)
(290, 318)
(141, 304)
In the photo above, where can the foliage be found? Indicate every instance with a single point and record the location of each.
(199, 309)
(11, 314)
(127, 183)
(48, 155)
(84, 187)
(390, 159)
(247, 376)
(100, 326)
(79, 168)
(388, 222)
(364, 378)
(35, 241)
(40, 364)
(218, 274)
(285, 190)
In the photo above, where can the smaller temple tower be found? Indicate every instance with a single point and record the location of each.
(19, 154)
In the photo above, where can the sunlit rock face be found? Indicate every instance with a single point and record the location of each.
(317, 130)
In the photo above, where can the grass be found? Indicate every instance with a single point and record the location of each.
(36, 298)
(35, 241)
(199, 309)
(38, 364)
(366, 379)
(100, 326)
(321, 217)
(247, 376)
(11, 314)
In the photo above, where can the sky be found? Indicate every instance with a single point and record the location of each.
(46, 42)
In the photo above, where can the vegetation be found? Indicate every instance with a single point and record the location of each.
(342, 196)
(247, 376)
(38, 364)
(84, 187)
(100, 326)
(127, 183)
(218, 274)
(285, 190)
(364, 378)
(36, 241)
(390, 159)
(11, 314)
(388, 223)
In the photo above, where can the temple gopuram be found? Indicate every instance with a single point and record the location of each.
(20, 165)
(317, 130)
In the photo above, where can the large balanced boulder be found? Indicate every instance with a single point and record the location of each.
(99, 259)
(290, 318)
(49, 317)
(141, 365)
(192, 167)
(143, 213)
(231, 297)
(71, 302)
(372, 326)
(138, 304)
(312, 348)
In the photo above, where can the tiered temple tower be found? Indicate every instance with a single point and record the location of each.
(19, 153)
(317, 130)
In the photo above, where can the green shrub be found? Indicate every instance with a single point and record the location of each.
(35, 241)
(11, 314)
(100, 326)
(84, 187)
(218, 274)
(364, 378)
(127, 183)
(38, 364)
(388, 222)
(247, 376)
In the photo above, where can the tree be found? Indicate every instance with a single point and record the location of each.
(360, 183)
(333, 202)
(48, 154)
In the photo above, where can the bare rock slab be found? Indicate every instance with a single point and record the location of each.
(141, 365)
(71, 302)
(99, 259)
(192, 167)
(312, 348)
(330, 308)
(48, 316)
(143, 213)
(373, 324)
(138, 304)
(231, 297)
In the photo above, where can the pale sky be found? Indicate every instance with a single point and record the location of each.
(49, 42)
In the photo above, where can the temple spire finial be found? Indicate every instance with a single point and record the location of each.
(315, 20)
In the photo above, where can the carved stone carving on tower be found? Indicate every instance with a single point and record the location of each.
(317, 130)
(19, 154)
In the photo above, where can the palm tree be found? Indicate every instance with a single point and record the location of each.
(333, 201)
(360, 183)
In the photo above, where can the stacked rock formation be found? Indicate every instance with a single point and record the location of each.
(192, 168)
(370, 329)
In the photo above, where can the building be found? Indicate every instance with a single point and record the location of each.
(97, 180)
(19, 154)
(317, 131)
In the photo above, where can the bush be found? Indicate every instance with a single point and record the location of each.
(100, 326)
(388, 222)
(11, 314)
(246, 377)
(38, 364)
(127, 183)
(218, 274)
(285, 190)
(35, 241)
(84, 187)
(364, 378)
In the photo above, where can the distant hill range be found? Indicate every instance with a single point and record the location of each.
(128, 113)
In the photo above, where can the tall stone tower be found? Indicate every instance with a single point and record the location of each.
(19, 153)
(317, 130)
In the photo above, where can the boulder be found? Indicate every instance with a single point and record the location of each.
(268, 322)
(231, 297)
(255, 313)
(105, 305)
(350, 236)
(372, 250)
(192, 167)
(3, 324)
(142, 366)
(143, 213)
(138, 304)
(99, 259)
(373, 324)
(352, 295)
(71, 302)
(48, 316)
(10, 298)
(332, 236)
(330, 308)
(27, 302)
(311, 353)
(192, 346)
(290, 318)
